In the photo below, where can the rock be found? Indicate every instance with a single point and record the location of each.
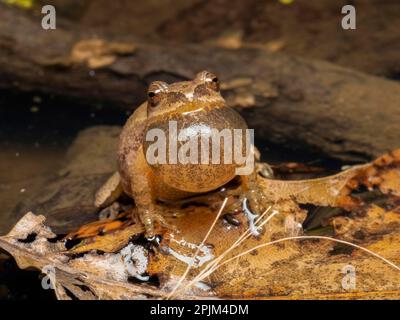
(67, 199)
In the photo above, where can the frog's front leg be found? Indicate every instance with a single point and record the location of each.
(149, 215)
(142, 190)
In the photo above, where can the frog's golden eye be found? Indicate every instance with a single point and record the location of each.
(156, 92)
(210, 79)
(213, 83)
(153, 99)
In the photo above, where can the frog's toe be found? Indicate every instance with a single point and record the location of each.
(159, 218)
(254, 204)
(257, 200)
(252, 219)
(152, 217)
(147, 221)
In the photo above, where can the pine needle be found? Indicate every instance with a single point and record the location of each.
(239, 241)
(301, 238)
(183, 277)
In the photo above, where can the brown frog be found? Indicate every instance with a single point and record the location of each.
(191, 105)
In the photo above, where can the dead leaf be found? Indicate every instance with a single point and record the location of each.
(230, 263)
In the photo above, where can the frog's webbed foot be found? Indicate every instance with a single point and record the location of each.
(249, 199)
(257, 201)
(255, 197)
(151, 216)
(254, 204)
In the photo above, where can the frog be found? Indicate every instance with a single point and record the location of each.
(191, 104)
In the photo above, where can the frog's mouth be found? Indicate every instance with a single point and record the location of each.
(186, 109)
(217, 116)
(194, 107)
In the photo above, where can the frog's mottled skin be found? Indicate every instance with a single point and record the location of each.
(192, 104)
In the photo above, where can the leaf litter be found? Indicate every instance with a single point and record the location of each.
(209, 257)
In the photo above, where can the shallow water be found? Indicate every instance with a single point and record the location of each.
(35, 132)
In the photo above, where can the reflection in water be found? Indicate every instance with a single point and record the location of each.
(35, 132)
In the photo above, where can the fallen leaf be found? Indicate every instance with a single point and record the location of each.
(230, 262)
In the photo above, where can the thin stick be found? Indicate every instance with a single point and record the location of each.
(242, 238)
(198, 249)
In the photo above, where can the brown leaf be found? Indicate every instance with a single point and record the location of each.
(280, 263)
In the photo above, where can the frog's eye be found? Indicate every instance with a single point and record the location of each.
(213, 83)
(210, 79)
(156, 92)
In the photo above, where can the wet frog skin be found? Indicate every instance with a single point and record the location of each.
(191, 104)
